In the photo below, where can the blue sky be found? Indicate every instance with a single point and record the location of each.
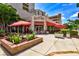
(68, 10)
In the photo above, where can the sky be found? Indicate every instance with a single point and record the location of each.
(68, 10)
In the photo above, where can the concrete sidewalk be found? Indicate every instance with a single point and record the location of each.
(50, 44)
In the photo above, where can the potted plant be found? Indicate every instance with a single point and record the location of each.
(16, 43)
(64, 31)
(14, 39)
(30, 36)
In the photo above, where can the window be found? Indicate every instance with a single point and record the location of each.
(26, 6)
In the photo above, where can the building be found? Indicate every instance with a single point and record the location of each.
(44, 23)
(39, 12)
(38, 23)
(39, 20)
(56, 18)
(29, 7)
(25, 10)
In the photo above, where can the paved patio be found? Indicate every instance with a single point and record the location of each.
(49, 44)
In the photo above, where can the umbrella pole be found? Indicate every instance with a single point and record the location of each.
(10, 29)
(18, 29)
(22, 29)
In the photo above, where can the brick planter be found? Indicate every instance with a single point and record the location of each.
(15, 48)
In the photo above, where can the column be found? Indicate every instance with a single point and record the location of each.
(18, 29)
(32, 26)
(10, 29)
(45, 25)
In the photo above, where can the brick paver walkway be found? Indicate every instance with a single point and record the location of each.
(49, 45)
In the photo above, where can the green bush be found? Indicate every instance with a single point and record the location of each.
(30, 36)
(73, 33)
(64, 31)
(2, 32)
(15, 39)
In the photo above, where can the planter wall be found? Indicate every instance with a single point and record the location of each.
(74, 34)
(15, 48)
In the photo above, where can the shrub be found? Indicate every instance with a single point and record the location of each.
(15, 39)
(30, 36)
(73, 33)
(2, 32)
(64, 31)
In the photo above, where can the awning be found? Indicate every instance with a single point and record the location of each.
(57, 25)
(60, 26)
(54, 24)
(21, 23)
(50, 24)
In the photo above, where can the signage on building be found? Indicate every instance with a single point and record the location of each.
(38, 18)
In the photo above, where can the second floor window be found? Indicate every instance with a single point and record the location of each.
(26, 6)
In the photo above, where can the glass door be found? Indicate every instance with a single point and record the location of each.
(39, 28)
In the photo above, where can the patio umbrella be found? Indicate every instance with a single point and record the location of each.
(60, 26)
(50, 24)
(21, 23)
(1, 27)
(57, 25)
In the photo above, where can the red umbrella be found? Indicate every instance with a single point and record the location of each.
(1, 27)
(50, 24)
(21, 23)
(60, 26)
(57, 25)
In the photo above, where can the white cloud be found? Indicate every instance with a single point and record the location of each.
(66, 4)
(62, 14)
(74, 15)
(63, 18)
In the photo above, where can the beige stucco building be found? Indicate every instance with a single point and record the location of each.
(38, 18)
(25, 10)
(56, 18)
